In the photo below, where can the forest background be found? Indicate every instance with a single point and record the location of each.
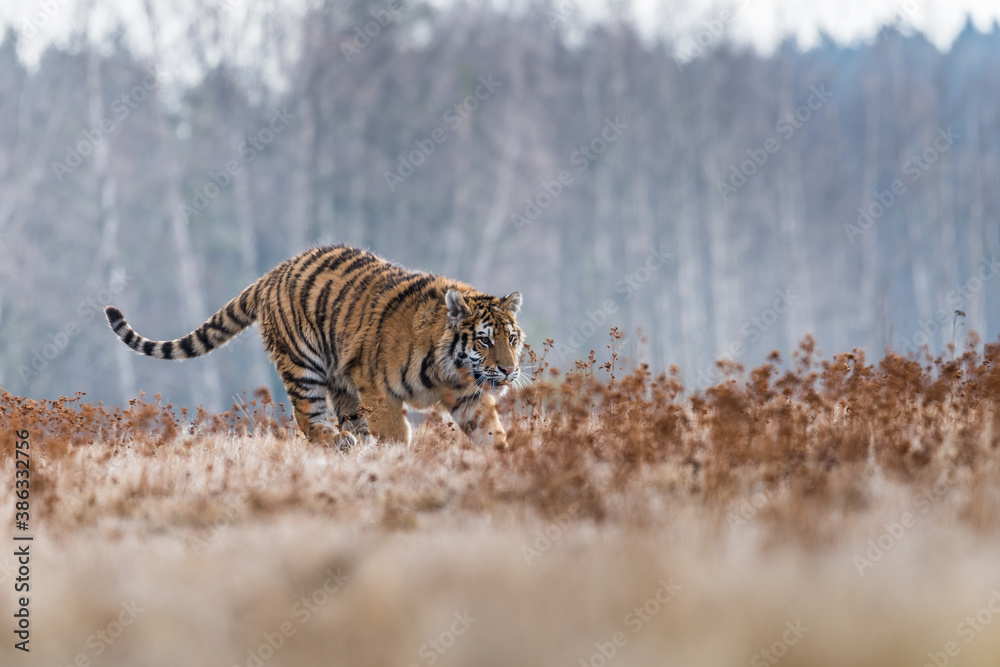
(709, 200)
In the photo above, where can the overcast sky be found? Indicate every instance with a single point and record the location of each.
(760, 22)
(765, 22)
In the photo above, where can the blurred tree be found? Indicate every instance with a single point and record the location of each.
(368, 84)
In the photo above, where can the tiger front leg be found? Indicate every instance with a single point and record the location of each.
(386, 417)
(478, 418)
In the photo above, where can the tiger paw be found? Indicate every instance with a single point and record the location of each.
(495, 436)
(325, 436)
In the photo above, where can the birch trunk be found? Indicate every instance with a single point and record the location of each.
(496, 218)
(723, 263)
(799, 318)
(205, 387)
(258, 368)
(868, 241)
(300, 206)
(976, 245)
(108, 222)
(690, 296)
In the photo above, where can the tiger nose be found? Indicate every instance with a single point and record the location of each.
(505, 371)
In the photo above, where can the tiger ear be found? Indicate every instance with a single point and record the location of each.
(458, 310)
(512, 302)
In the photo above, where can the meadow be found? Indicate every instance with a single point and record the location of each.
(811, 511)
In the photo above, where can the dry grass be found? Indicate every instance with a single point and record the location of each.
(755, 499)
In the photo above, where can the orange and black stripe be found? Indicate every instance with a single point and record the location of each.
(220, 328)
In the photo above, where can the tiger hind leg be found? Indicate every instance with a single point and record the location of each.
(346, 407)
(309, 403)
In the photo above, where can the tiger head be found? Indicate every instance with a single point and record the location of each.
(486, 341)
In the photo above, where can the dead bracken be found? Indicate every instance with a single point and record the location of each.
(818, 430)
(860, 500)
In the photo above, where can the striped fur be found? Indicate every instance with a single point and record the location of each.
(350, 331)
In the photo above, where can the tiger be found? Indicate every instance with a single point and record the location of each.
(351, 332)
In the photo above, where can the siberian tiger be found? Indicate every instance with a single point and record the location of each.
(350, 330)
